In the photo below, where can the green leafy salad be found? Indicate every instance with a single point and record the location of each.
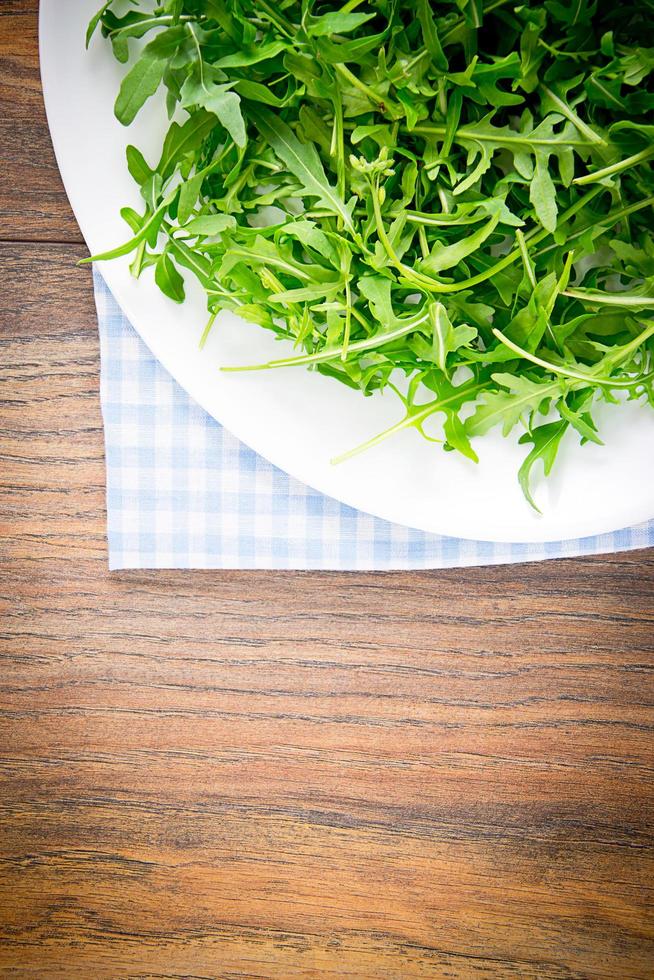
(451, 200)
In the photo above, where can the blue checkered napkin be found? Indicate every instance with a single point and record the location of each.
(182, 492)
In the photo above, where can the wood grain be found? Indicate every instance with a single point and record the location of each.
(283, 775)
(33, 202)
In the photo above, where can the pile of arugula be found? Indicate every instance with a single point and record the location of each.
(459, 191)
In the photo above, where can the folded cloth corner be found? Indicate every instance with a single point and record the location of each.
(183, 492)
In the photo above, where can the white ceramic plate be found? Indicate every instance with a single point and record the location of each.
(300, 420)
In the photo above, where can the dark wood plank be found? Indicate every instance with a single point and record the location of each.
(33, 203)
(274, 775)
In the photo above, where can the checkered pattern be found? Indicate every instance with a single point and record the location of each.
(182, 492)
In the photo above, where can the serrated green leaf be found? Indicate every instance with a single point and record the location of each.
(377, 291)
(546, 440)
(370, 219)
(303, 162)
(217, 98)
(508, 404)
(445, 337)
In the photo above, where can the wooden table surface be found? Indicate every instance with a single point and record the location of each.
(282, 775)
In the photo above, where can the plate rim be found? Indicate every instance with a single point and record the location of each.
(112, 274)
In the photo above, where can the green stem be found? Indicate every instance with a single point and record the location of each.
(564, 54)
(611, 219)
(433, 286)
(441, 220)
(579, 125)
(526, 261)
(207, 330)
(450, 34)
(591, 379)
(417, 278)
(332, 354)
(157, 21)
(499, 139)
(637, 341)
(338, 151)
(414, 417)
(200, 59)
(600, 298)
(616, 168)
(280, 22)
(188, 258)
(141, 235)
(137, 265)
(348, 319)
(384, 105)
(410, 65)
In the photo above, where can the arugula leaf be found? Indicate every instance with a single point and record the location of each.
(302, 161)
(336, 23)
(410, 190)
(546, 440)
(210, 224)
(148, 232)
(446, 338)
(95, 20)
(508, 404)
(137, 166)
(218, 99)
(168, 279)
(430, 34)
(447, 256)
(313, 238)
(146, 75)
(244, 57)
(184, 139)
